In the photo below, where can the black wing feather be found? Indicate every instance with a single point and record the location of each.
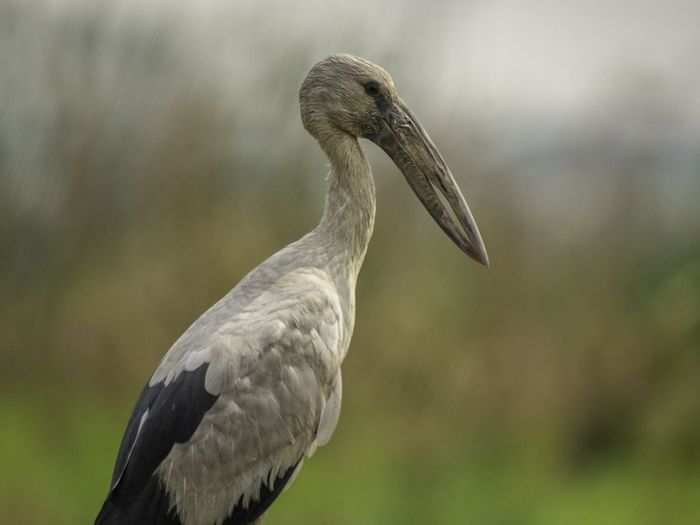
(136, 496)
(150, 507)
(174, 413)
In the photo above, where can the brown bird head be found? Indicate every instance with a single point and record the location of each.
(351, 95)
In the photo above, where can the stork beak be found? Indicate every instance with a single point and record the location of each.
(409, 146)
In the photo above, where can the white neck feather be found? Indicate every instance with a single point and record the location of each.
(348, 219)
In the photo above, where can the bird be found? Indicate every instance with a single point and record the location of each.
(253, 387)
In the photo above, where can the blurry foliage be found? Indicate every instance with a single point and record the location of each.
(559, 386)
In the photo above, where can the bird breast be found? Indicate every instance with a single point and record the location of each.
(276, 370)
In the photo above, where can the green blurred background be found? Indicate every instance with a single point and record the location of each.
(151, 154)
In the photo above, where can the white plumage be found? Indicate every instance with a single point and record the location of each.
(254, 385)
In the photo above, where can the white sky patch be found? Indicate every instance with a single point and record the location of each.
(555, 56)
(497, 55)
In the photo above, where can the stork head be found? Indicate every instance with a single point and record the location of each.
(350, 95)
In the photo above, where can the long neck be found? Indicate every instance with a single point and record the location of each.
(348, 219)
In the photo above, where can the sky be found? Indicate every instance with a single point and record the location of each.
(556, 55)
(539, 55)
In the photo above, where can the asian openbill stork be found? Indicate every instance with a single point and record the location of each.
(254, 385)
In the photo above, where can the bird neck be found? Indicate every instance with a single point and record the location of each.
(348, 218)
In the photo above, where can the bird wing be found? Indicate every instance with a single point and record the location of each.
(227, 418)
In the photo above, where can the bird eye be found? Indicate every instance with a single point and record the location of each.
(372, 88)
